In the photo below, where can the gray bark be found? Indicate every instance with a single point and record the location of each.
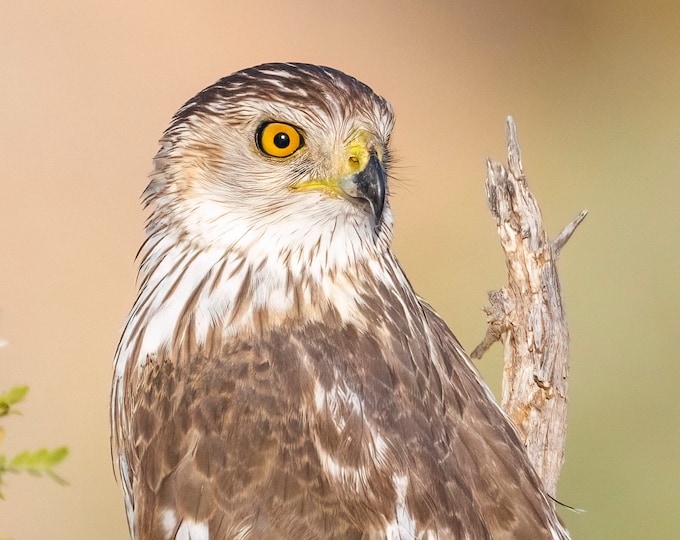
(528, 318)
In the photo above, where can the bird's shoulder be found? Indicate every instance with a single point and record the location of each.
(335, 424)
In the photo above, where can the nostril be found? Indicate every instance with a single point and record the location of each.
(353, 163)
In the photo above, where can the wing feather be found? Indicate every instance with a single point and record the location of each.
(322, 426)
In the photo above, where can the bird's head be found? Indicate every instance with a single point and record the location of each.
(291, 156)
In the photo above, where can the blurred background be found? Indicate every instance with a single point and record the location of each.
(594, 87)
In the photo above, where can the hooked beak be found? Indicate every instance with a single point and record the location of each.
(361, 181)
(367, 187)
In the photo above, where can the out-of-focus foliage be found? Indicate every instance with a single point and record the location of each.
(40, 462)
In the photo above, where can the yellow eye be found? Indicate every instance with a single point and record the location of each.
(278, 140)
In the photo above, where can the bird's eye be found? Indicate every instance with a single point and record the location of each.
(278, 140)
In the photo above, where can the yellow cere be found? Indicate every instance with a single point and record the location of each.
(357, 158)
(358, 152)
(280, 140)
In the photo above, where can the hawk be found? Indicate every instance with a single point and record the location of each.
(278, 377)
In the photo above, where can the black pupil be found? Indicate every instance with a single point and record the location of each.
(281, 140)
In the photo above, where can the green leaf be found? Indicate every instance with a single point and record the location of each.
(11, 397)
(39, 462)
(57, 456)
(3, 469)
(14, 395)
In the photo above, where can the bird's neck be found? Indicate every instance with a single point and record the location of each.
(193, 296)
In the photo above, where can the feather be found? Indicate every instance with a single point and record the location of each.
(278, 376)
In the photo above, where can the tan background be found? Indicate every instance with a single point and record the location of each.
(86, 89)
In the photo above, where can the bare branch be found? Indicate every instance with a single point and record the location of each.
(495, 315)
(527, 316)
(566, 233)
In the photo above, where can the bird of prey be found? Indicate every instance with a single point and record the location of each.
(278, 377)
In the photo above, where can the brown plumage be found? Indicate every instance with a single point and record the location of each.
(278, 376)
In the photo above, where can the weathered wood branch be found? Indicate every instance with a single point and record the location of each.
(528, 318)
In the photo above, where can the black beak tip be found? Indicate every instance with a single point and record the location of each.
(371, 185)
